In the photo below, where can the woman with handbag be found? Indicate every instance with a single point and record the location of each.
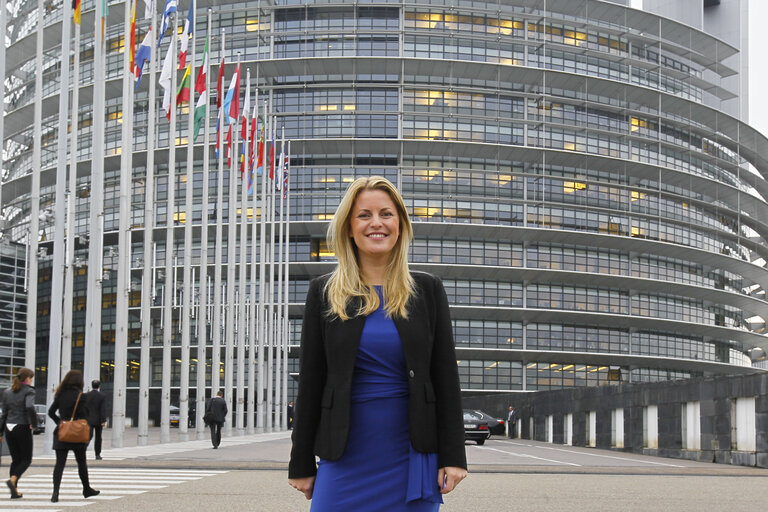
(17, 422)
(72, 432)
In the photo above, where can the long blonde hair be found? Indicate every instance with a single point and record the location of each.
(347, 281)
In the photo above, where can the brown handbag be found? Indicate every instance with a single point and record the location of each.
(74, 431)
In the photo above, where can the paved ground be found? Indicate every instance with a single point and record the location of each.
(248, 473)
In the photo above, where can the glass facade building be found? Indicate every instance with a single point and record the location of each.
(575, 171)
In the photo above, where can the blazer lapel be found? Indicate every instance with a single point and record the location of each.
(346, 341)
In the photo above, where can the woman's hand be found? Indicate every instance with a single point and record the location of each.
(449, 477)
(305, 485)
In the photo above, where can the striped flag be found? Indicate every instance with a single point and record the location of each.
(189, 29)
(219, 95)
(260, 157)
(286, 165)
(232, 100)
(201, 87)
(132, 39)
(76, 11)
(143, 55)
(182, 93)
(170, 7)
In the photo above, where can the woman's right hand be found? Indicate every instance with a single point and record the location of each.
(305, 485)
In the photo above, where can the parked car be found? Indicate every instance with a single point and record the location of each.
(173, 418)
(41, 411)
(495, 425)
(475, 427)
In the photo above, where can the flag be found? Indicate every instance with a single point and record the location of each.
(229, 146)
(252, 152)
(170, 7)
(189, 29)
(260, 158)
(244, 123)
(143, 55)
(219, 91)
(201, 83)
(200, 112)
(76, 11)
(232, 100)
(201, 87)
(104, 15)
(286, 164)
(184, 46)
(272, 156)
(182, 93)
(132, 39)
(246, 110)
(149, 6)
(165, 80)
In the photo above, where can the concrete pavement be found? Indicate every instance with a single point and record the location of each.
(504, 475)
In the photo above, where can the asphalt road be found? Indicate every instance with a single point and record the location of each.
(248, 473)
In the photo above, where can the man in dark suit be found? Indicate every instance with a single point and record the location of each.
(511, 420)
(96, 403)
(217, 406)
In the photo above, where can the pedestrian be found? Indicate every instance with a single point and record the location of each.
(290, 415)
(96, 403)
(68, 402)
(216, 411)
(511, 422)
(378, 398)
(17, 423)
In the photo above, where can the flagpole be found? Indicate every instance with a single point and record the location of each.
(270, 286)
(217, 320)
(57, 272)
(148, 288)
(186, 313)
(279, 423)
(169, 288)
(202, 336)
(253, 335)
(261, 409)
(286, 323)
(231, 263)
(92, 351)
(123, 251)
(243, 240)
(66, 335)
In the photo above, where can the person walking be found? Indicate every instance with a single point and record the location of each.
(378, 397)
(96, 403)
(17, 423)
(511, 422)
(216, 410)
(68, 402)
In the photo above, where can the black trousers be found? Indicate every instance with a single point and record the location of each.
(20, 445)
(96, 440)
(216, 433)
(61, 461)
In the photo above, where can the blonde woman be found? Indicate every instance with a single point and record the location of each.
(378, 399)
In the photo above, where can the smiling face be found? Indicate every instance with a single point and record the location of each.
(374, 226)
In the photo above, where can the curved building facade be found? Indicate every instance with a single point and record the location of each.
(577, 171)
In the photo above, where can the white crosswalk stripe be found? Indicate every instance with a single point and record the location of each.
(114, 483)
(135, 452)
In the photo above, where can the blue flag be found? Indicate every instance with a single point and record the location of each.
(170, 7)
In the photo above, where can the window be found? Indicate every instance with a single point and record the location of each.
(743, 432)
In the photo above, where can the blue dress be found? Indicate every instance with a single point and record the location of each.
(379, 471)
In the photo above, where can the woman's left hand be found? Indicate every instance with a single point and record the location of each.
(449, 477)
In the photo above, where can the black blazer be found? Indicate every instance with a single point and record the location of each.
(217, 406)
(327, 361)
(96, 402)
